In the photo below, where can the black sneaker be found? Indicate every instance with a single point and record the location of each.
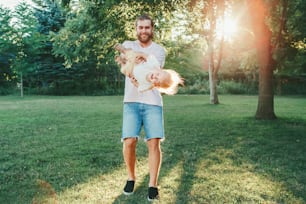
(153, 194)
(129, 188)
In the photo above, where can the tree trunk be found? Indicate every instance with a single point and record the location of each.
(213, 79)
(259, 12)
(265, 107)
(21, 85)
(213, 87)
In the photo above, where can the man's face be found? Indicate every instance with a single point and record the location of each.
(144, 31)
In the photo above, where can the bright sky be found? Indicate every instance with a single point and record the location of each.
(12, 3)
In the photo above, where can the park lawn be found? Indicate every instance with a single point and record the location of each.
(68, 150)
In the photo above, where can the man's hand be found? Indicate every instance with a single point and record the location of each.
(140, 58)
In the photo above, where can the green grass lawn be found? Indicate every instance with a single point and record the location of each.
(68, 150)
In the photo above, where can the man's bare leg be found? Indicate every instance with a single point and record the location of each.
(129, 155)
(155, 158)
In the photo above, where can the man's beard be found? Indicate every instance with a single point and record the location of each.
(146, 39)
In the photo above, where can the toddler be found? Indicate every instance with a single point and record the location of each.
(146, 70)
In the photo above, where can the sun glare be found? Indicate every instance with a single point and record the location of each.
(226, 29)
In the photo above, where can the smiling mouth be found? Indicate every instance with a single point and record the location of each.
(144, 35)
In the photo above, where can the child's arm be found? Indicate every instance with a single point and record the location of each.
(128, 59)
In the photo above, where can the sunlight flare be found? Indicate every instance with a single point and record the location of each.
(226, 28)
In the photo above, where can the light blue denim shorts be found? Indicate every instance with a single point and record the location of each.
(136, 115)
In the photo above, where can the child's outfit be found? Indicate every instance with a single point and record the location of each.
(141, 71)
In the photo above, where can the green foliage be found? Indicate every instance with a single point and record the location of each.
(199, 86)
(296, 20)
(231, 87)
(95, 27)
(88, 35)
(6, 31)
(27, 40)
(6, 51)
(91, 32)
(288, 26)
(51, 18)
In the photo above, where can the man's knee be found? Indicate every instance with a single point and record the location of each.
(130, 142)
(154, 144)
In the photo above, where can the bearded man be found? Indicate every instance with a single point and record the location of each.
(143, 109)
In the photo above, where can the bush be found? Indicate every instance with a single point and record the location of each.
(7, 90)
(199, 86)
(231, 87)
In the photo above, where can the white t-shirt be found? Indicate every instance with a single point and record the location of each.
(131, 94)
(141, 71)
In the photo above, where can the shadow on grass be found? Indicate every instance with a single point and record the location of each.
(277, 151)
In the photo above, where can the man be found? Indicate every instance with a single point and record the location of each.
(143, 109)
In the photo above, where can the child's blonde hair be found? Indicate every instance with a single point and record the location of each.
(170, 85)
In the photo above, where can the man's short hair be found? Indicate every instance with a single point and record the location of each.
(144, 17)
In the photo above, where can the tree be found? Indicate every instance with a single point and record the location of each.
(259, 13)
(6, 50)
(274, 44)
(27, 42)
(209, 22)
(214, 9)
(51, 17)
(290, 43)
(95, 27)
